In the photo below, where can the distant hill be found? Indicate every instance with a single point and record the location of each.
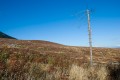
(3, 35)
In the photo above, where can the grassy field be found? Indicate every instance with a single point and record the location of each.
(42, 60)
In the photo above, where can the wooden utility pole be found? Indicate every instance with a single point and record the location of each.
(90, 36)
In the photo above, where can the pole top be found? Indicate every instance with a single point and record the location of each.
(88, 11)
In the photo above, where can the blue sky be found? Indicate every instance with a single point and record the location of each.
(56, 21)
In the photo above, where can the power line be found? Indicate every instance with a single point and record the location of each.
(89, 34)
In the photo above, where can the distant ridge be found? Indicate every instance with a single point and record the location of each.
(3, 35)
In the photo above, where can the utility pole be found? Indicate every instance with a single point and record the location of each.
(90, 36)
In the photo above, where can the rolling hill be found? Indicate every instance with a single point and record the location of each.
(80, 54)
(44, 60)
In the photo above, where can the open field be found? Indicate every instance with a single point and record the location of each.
(43, 60)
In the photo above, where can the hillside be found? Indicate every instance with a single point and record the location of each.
(44, 60)
(3, 35)
(81, 54)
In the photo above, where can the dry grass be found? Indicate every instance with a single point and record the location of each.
(38, 71)
(88, 73)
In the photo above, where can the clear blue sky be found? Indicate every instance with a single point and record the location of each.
(56, 21)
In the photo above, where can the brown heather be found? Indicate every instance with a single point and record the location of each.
(42, 60)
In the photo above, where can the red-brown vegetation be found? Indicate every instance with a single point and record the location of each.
(28, 59)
